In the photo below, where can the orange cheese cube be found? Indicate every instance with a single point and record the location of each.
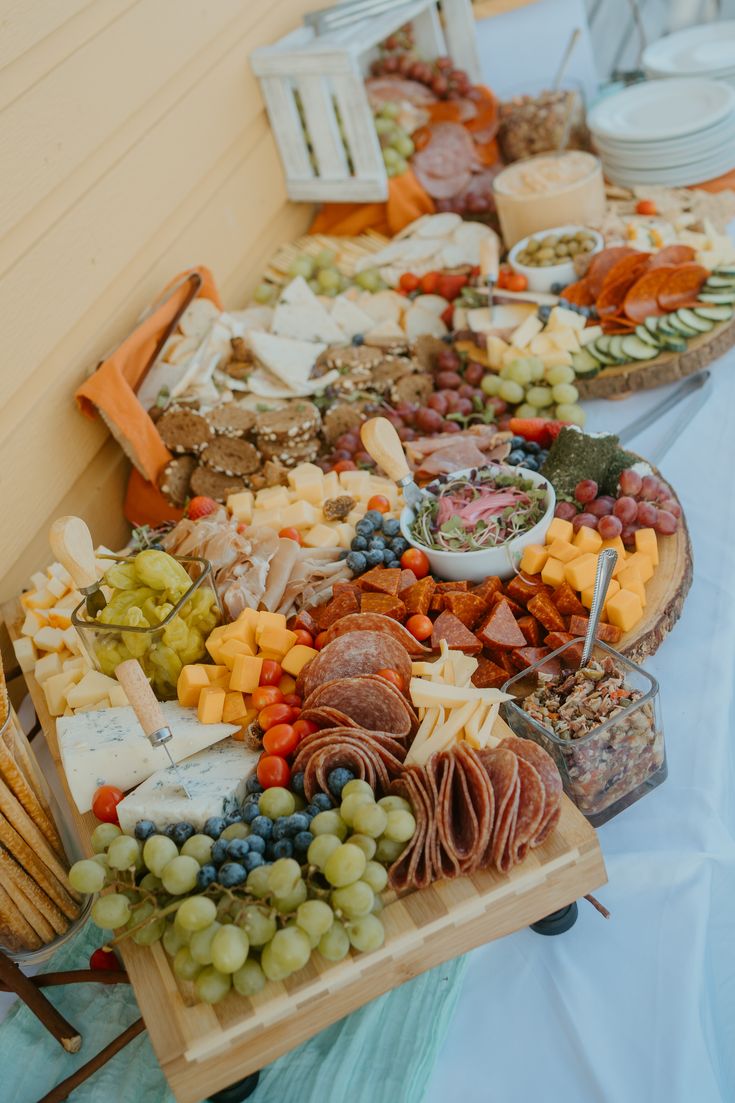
(634, 584)
(559, 529)
(231, 648)
(586, 596)
(268, 620)
(617, 544)
(563, 551)
(192, 680)
(643, 563)
(244, 721)
(552, 572)
(214, 642)
(274, 656)
(587, 540)
(645, 542)
(580, 573)
(287, 684)
(216, 673)
(246, 671)
(248, 616)
(297, 658)
(276, 640)
(534, 557)
(624, 610)
(234, 708)
(211, 705)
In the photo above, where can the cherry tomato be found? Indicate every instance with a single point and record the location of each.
(242, 526)
(290, 534)
(281, 739)
(266, 695)
(409, 282)
(415, 560)
(304, 728)
(101, 960)
(430, 282)
(516, 281)
(392, 676)
(345, 465)
(320, 640)
(379, 502)
(503, 275)
(105, 802)
(292, 700)
(646, 206)
(275, 714)
(270, 673)
(419, 626)
(303, 637)
(273, 770)
(447, 316)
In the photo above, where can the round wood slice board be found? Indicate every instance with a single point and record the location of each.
(623, 379)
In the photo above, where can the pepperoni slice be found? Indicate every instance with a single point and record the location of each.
(672, 254)
(578, 294)
(601, 264)
(631, 267)
(682, 287)
(610, 301)
(641, 301)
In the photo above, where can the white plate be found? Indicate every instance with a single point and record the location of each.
(659, 109)
(681, 154)
(711, 137)
(673, 178)
(706, 50)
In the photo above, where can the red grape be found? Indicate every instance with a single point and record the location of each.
(628, 533)
(497, 404)
(477, 203)
(341, 454)
(474, 373)
(630, 482)
(646, 514)
(452, 399)
(586, 490)
(609, 527)
(350, 442)
(626, 509)
(406, 410)
(448, 359)
(584, 520)
(448, 380)
(451, 427)
(429, 421)
(405, 64)
(671, 506)
(390, 64)
(438, 402)
(406, 433)
(443, 63)
(464, 406)
(666, 523)
(566, 510)
(466, 390)
(650, 488)
(395, 419)
(366, 458)
(440, 86)
(601, 506)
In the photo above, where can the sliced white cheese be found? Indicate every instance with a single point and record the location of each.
(300, 315)
(589, 333)
(109, 748)
(422, 323)
(503, 317)
(215, 779)
(437, 693)
(265, 385)
(384, 306)
(561, 318)
(527, 330)
(289, 360)
(350, 318)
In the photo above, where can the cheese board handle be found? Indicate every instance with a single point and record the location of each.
(71, 543)
(489, 257)
(131, 677)
(383, 443)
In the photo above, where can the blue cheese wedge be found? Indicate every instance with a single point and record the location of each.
(215, 780)
(109, 747)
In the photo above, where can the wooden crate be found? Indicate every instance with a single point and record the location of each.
(315, 95)
(203, 1049)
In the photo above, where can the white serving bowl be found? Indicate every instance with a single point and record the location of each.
(542, 279)
(478, 565)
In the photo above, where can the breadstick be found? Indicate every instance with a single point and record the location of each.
(28, 763)
(24, 825)
(23, 792)
(13, 874)
(16, 933)
(43, 876)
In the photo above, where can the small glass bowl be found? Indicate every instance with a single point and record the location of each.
(615, 764)
(162, 649)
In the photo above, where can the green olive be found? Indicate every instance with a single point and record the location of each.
(562, 249)
(533, 245)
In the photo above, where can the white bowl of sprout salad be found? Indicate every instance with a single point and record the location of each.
(480, 520)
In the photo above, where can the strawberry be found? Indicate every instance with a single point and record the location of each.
(201, 506)
(539, 429)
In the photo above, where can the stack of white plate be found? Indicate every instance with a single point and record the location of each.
(707, 50)
(676, 132)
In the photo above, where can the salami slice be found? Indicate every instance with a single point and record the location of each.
(441, 766)
(601, 264)
(375, 622)
(444, 166)
(682, 287)
(457, 818)
(328, 718)
(501, 766)
(672, 254)
(641, 300)
(375, 757)
(483, 800)
(531, 806)
(410, 869)
(550, 779)
(372, 702)
(610, 300)
(353, 653)
(439, 861)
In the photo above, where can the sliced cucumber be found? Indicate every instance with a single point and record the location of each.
(717, 279)
(666, 329)
(714, 312)
(616, 348)
(635, 349)
(725, 270)
(681, 327)
(585, 364)
(605, 346)
(689, 318)
(717, 296)
(600, 354)
(647, 336)
(651, 323)
(673, 342)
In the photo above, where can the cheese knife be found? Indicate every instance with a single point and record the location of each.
(382, 442)
(147, 709)
(490, 266)
(71, 543)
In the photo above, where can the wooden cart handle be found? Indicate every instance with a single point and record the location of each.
(131, 677)
(71, 544)
(383, 443)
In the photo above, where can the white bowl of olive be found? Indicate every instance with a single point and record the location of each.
(547, 257)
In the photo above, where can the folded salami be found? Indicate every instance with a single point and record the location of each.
(376, 622)
(355, 653)
(371, 701)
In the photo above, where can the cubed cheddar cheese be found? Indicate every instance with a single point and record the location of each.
(234, 708)
(580, 573)
(322, 536)
(586, 596)
(272, 497)
(91, 688)
(646, 542)
(56, 587)
(564, 551)
(240, 506)
(192, 680)
(41, 599)
(214, 642)
(268, 620)
(55, 690)
(38, 580)
(624, 610)
(231, 648)
(617, 544)
(559, 529)
(552, 572)
(587, 539)
(640, 561)
(633, 583)
(287, 684)
(273, 656)
(216, 673)
(297, 658)
(300, 515)
(246, 671)
(211, 705)
(534, 557)
(58, 618)
(276, 641)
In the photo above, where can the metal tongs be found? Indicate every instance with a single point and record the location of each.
(698, 385)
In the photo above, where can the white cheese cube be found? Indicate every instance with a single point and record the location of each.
(356, 483)
(304, 473)
(332, 487)
(49, 639)
(345, 532)
(561, 318)
(38, 580)
(240, 506)
(272, 497)
(33, 623)
(41, 599)
(72, 640)
(300, 515)
(118, 697)
(25, 653)
(321, 536)
(57, 587)
(55, 690)
(47, 666)
(68, 601)
(93, 687)
(57, 571)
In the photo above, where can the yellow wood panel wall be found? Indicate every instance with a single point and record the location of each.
(133, 142)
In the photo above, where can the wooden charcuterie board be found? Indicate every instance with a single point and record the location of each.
(203, 1049)
(621, 380)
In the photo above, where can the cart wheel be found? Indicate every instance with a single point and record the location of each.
(243, 1089)
(557, 922)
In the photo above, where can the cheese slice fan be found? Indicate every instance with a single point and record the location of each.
(71, 543)
(131, 677)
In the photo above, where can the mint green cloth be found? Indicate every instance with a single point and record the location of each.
(386, 1050)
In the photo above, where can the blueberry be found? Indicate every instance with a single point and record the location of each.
(322, 802)
(283, 849)
(557, 288)
(180, 832)
(253, 860)
(391, 527)
(398, 546)
(302, 842)
(357, 562)
(364, 527)
(233, 817)
(263, 826)
(232, 873)
(337, 780)
(237, 849)
(532, 447)
(358, 339)
(252, 785)
(515, 457)
(206, 876)
(214, 827)
(280, 829)
(219, 851)
(531, 463)
(144, 829)
(297, 783)
(374, 558)
(298, 822)
(375, 516)
(544, 313)
(389, 558)
(250, 812)
(269, 855)
(376, 542)
(359, 544)
(518, 442)
(256, 844)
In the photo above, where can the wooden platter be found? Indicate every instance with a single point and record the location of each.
(203, 1049)
(624, 379)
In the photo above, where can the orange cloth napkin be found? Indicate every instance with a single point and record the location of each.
(406, 202)
(719, 183)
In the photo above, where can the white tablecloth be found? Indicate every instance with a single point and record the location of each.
(641, 1008)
